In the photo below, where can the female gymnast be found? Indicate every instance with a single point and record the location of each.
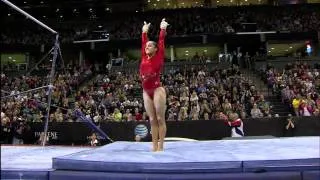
(154, 95)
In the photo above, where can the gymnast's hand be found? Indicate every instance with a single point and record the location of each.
(164, 24)
(145, 27)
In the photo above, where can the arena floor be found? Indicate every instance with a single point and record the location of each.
(276, 158)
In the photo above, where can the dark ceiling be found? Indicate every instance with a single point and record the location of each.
(70, 8)
(46, 3)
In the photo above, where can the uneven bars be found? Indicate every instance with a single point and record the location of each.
(38, 101)
(7, 92)
(17, 94)
(29, 16)
(55, 55)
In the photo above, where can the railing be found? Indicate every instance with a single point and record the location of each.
(281, 62)
(77, 133)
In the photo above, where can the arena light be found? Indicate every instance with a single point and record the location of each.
(251, 33)
(91, 40)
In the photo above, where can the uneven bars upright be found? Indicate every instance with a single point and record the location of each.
(51, 78)
(29, 16)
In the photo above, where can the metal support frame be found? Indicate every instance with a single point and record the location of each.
(56, 52)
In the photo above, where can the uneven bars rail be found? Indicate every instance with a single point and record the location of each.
(7, 92)
(17, 94)
(29, 16)
(38, 101)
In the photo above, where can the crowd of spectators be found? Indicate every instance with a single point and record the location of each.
(199, 93)
(222, 20)
(18, 110)
(298, 85)
(297, 18)
(35, 35)
(193, 93)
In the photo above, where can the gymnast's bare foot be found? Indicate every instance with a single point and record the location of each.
(160, 147)
(155, 148)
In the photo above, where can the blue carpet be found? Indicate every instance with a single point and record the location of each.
(31, 162)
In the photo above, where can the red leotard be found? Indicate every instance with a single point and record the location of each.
(150, 69)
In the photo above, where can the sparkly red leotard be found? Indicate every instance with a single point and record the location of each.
(150, 69)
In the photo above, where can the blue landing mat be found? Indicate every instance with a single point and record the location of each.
(74, 175)
(31, 162)
(25, 175)
(282, 165)
(311, 175)
(193, 157)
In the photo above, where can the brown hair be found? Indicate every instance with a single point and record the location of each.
(153, 43)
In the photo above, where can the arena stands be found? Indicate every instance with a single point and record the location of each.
(294, 18)
(18, 111)
(297, 85)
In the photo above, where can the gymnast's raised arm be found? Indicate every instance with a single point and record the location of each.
(144, 37)
(161, 45)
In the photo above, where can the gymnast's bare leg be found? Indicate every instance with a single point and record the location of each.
(159, 101)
